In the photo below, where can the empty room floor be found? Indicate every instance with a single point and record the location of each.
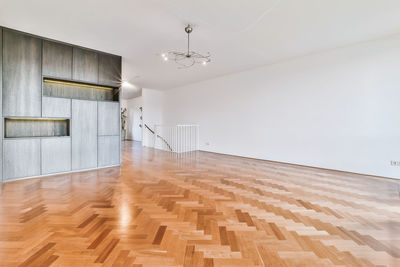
(201, 209)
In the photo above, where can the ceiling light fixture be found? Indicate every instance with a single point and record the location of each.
(189, 58)
(126, 84)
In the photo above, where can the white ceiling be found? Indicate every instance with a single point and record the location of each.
(240, 34)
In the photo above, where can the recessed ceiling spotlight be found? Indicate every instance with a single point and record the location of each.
(188, 58)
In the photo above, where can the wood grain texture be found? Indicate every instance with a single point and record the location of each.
(1, 103)
(53, 107)
(76, 92)
(110, 70)
(1, 78)
(108, 151)
(84, 134)
(21, 158)
(109, 118)
(200, 209)
(85, 65)
(55, 155)
(57, 60)
(22, 75)
(36, 127)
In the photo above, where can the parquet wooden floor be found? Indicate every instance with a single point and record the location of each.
(203, 210)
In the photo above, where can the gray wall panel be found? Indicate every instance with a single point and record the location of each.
(109, 70)
(1, 103)
(1, 77)
(109, 118)
(22, 75)
(57, 60)
(53, 107)
(109, 152)
(56, 155)
(84, 134)
(85, 65)
(21, 158)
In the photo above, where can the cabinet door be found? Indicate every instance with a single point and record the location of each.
(21, 158)
(84, 134)
(109, 152)
(109, 118)
(57, 60)
(1, 103)
(109, 70)
(56, 155)
(22, 75)
(1, 148)
(53, 107)
(85, 65)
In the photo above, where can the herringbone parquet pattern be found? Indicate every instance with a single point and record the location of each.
(208, 210)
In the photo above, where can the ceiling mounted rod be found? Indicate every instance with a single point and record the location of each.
(189, 58)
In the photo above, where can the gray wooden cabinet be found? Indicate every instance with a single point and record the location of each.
(110, 70)
(44, 131)
(57, 60)
(109, 118)
(84, 134)
(85, 65)
(21, 158)
(54, 107)
(109, 151)
(1, 103)
(1, 148)
(1, 79)
(22, 76)
(55, 155)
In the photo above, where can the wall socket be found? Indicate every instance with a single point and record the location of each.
(395, 163)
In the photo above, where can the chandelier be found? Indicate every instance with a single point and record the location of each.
(189, 58)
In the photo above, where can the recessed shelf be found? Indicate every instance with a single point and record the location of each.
(78, 90)
(35, 127)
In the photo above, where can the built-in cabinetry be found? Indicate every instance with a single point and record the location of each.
(55, 155)
(109, 134)
(59, 107)
(1, 103)
(53, 107)
(21, 158)
(35, 127)
(108, 150)
(84, 134)
(22, 79)
(77, 90)
(108, 118)
(85, 65)
(57, 60)
(109, 70)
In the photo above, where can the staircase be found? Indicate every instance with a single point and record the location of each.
(178, 139)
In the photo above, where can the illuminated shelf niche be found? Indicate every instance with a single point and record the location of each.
(78, 90)
(35, 127)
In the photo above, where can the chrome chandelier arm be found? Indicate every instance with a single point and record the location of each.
(189, 58)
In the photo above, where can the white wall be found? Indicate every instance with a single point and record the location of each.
(338, 110)
(152, 113)
(134, 131)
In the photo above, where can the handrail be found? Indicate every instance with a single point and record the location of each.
(152, 131)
